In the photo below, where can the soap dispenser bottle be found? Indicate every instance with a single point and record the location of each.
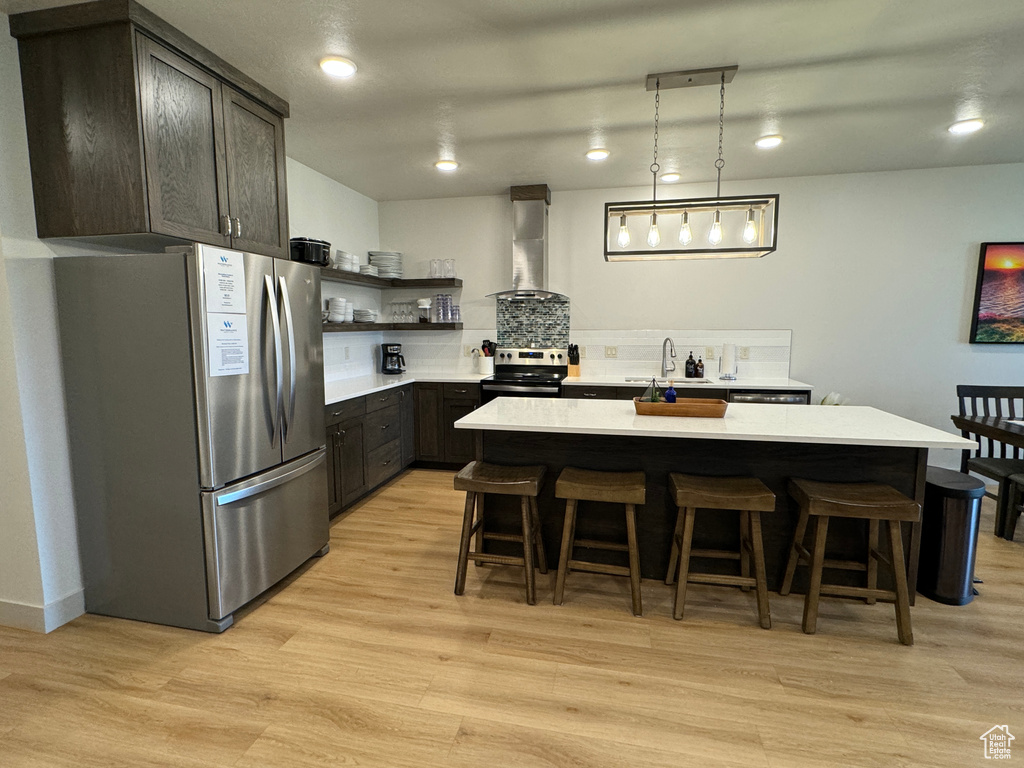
(691, 367)
(700, 368)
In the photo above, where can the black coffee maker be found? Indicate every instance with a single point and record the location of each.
(391, 360)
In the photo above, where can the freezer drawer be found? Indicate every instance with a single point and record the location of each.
(258, 531)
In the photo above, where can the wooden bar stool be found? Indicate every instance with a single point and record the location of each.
(575, 485)
(747, 495)
(478, 478)
(867, 501)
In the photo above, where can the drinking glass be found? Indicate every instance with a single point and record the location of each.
(435, 267)
(394, 311)
(449, 267)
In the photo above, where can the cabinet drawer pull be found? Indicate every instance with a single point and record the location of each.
(336, 413)
(590, 394)
(384, 426)
(461, 391)
(238, 227)
(386, 463)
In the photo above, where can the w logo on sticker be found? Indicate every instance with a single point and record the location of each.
(227, 323)
(223, 259)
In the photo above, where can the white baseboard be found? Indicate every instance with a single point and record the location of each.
(38, 618)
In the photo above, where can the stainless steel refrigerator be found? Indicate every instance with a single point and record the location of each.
(195, 400)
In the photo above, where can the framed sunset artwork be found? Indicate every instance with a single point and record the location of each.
(999, 296)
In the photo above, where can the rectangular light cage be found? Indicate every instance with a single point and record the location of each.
(734, 213)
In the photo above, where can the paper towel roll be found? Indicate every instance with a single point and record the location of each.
(727, 362)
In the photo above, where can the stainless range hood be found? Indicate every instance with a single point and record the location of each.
(529, 245)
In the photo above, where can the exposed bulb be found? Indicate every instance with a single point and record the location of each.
(653, 235)
(750, 228)
(623, 233)
(685, 235)
(715, 235)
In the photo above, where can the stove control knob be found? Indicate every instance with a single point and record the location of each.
(559, 357)
(552, 356)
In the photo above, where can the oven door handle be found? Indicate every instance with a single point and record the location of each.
(520, 388)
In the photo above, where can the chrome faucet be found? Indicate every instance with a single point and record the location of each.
(667, 366)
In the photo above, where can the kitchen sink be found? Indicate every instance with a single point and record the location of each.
(680, 379)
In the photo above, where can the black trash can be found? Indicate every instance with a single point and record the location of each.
(949, 536)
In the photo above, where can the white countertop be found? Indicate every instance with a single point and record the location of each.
(346, 389)
(824, 424)
(713, 382)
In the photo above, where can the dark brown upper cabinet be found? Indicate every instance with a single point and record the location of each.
(134, 129)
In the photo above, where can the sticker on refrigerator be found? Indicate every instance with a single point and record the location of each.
(225, 280)
(228, 337)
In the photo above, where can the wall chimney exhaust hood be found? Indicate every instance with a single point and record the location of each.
(529, 245)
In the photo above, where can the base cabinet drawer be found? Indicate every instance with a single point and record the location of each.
(382, 426)
(383, 463)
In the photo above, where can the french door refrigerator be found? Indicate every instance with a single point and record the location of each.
(194, 387)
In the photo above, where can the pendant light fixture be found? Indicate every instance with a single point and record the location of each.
(732, 227)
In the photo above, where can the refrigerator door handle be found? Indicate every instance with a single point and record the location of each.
(244, 493)
(278, 358)
(286, 303)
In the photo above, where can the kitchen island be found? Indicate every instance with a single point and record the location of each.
(770, 442)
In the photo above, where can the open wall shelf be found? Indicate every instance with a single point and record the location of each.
(354, 278)
(362, 327)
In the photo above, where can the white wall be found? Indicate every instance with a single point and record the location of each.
(40, 578)
(874, 275)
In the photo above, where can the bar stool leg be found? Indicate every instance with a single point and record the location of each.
(872, 558)
(480, 501)
(542, 560)
(745, 548)
(810, 623)
(634, 560)
(760, 579)
(899, 574)
(673, 559)
(467, 529)
(689, 513)
(794, 553)
(565, 553)
(531, 592)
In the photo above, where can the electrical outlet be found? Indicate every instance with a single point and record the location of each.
(346, 353)
(583, 352)
(467, 351)
(611, 351)
(709, 353)
(744, 353)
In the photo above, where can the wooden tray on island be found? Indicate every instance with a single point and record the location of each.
(691, 406)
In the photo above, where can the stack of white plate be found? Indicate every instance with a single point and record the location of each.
(368, 269)
(365, 315)
(338, 310)
(346, 261)
(389, 263)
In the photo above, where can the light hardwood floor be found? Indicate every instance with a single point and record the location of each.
(367, 658)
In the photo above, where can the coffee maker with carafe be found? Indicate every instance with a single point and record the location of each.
(391, 360)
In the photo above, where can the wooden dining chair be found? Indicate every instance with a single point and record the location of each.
(992, 459)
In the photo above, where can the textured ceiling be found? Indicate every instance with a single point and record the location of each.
(518, 91)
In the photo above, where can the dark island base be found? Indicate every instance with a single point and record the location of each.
(772, 463)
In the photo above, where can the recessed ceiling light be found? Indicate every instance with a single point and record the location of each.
(446, 165)
(768, 142)
(336, 66)
(966, 126)
(670, 178)
(598, 153)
